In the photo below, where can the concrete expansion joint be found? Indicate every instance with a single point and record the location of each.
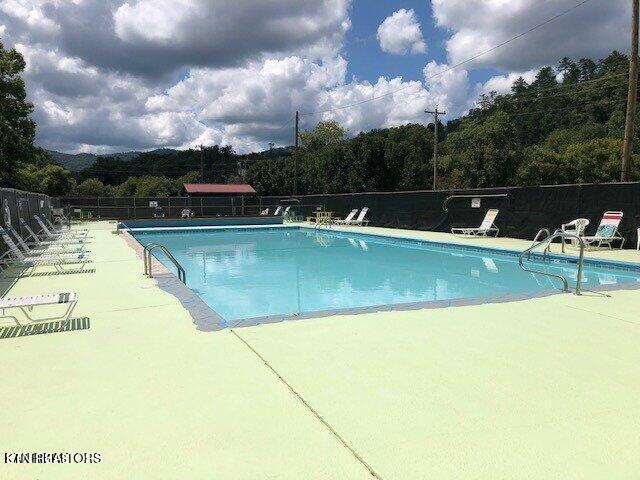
(308, 406)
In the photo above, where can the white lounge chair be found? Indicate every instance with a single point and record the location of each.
(277, 212)
(59, 218)
(607, 231)
(15, 257)
(27, 303)
(58, 228)
(486, 228)
(264, 212)
(39, 248)
(19, 254)
(71, 242)
(348, 218)
(286, 211)
(57, 235)
(361, 220)
(575, 227)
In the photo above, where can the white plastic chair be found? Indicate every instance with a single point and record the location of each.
(575, 227)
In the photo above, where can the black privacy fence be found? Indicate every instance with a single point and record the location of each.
(17, 204)
(523, 210)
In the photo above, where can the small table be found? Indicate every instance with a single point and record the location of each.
(321, 217)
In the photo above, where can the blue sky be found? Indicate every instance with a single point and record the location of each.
(367, 61)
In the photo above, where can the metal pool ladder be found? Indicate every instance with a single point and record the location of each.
(547, 241)
(182, 275)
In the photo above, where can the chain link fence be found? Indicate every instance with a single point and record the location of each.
(127, 208)
(17, 204)
(122, 208)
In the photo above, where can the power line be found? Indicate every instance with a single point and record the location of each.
(534, 96)
(591, 104)
(504, 101)
(464, 62)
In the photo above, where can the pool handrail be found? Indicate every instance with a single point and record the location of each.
(537, 239)
(451, 197)
(148, 269)
(548, 240)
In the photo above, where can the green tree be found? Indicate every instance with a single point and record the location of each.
(323, 135)
(570, 71)
(592, 161)
(50, 179)
(486, 152)
(542, 166)
(128, 188)
(92, 187)
(587, 68)
(17, 130)
(150, 186)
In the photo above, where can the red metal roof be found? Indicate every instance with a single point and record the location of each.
(239, 188)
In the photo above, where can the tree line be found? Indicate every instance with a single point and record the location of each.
(565, 126)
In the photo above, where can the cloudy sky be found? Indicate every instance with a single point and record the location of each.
(118, 75)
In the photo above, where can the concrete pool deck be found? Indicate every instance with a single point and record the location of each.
(542, 388)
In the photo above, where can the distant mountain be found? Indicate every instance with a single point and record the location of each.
(73, 162)
(267, 154)
(80, 161)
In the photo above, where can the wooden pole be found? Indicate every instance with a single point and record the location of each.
(295, 155)
(436, 113)
(201, 164)
(632, 96)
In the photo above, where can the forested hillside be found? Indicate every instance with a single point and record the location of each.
(566, 126)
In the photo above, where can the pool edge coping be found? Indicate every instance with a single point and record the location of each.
(207, 319)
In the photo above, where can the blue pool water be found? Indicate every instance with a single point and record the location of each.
(283, 271)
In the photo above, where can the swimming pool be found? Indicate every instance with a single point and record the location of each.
(252, 273)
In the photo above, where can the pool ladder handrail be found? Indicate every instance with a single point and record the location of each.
(537, 239)
(118, 222)
(557, 234)
(148, 269)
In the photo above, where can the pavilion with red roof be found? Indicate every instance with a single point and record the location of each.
(217, 189)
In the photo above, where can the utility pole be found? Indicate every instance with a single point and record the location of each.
(436, 113)
(632, 97)
(295, 155)
(201, 164)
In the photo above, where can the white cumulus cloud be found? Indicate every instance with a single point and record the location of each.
(592, 29)
(501, 84)
(400, 34)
